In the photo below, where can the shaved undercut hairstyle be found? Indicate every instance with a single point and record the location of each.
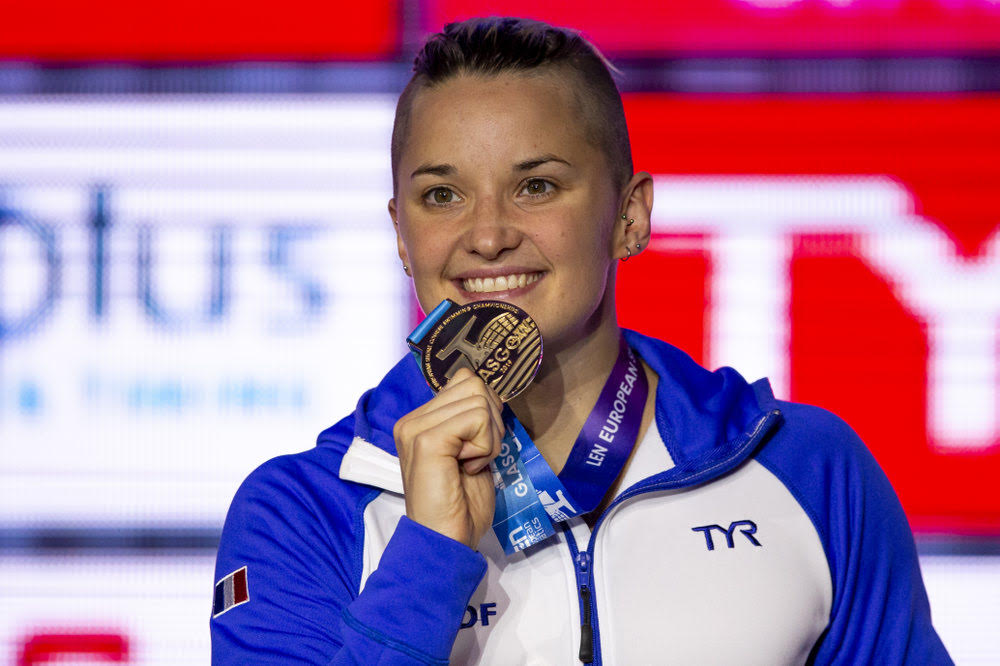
(494, 46)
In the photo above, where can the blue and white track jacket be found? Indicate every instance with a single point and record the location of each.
(748, 530)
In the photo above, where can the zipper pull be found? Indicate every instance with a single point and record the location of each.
(586, 630)
(583, 568)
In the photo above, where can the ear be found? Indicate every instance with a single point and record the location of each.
(400, 246)
(633, 226)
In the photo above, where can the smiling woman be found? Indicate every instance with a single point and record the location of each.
(513, 182)
(498, 177)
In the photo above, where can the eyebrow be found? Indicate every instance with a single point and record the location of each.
(434, 170)
(449, 169)
(528, 165)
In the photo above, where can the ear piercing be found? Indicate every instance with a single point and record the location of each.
(630, 222)
(628, 251)
(406, 269)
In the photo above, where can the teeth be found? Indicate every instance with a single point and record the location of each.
(501, 283)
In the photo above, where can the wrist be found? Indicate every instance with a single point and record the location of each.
(421, 573)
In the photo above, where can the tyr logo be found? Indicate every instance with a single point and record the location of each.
(749, 529)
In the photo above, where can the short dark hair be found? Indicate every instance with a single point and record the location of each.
(498, 45)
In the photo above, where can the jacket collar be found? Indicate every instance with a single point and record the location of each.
(709, 421)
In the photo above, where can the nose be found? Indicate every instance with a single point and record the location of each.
(491, 233)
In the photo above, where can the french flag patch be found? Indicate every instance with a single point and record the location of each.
(230, 592)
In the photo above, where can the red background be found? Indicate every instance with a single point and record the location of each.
(641, 27)
(854, 348)
(186, 30)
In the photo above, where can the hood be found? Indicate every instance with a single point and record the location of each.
(709, 421)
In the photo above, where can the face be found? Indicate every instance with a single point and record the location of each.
(500, 196)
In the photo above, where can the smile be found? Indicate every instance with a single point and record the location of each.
(500, 283)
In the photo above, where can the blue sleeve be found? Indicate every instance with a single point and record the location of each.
(880, 613)
(298, 530)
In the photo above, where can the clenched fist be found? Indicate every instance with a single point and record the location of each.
(445, 448)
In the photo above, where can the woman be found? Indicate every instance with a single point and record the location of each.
(721, 525)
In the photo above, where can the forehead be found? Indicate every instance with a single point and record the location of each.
(497, 115)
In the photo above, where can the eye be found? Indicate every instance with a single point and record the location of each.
(441, 196)
(537, 187)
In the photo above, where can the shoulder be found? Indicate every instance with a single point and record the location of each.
(295, 531)
(303, 489)
(880, 612)
(817, 446)
(813, 440)
(834, 477)
(296, 508)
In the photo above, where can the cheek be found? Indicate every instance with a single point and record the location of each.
(591, 244)
(594, 252)
(423, 246)
(577, 232)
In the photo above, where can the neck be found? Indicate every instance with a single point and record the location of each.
(556, 405)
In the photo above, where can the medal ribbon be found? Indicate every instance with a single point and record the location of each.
(529, 495)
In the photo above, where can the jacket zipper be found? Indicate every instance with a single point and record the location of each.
(585, 590)
(586, 628)
(590, 635)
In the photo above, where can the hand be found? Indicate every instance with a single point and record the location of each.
(445, 448)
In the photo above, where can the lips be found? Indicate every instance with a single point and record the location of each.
(499, 283)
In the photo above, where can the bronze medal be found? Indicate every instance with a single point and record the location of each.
(498, 341)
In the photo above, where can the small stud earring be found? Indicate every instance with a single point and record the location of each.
(630, 223)
(628, 255)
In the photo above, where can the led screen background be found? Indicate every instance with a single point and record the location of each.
(197, 270)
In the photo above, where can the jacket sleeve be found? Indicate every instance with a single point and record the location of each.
(302, 547)
(880, 613)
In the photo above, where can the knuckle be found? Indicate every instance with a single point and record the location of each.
(420, 443)
(401, 431)
(459, 377)
(480, 412)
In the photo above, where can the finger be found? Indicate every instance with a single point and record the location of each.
(465, 380)
(499, 429)
(474, 461)
(470, 428)
(469, 451)
(461, 377)
(465, 385)
(477, 387)
(462, 385)
(475, 465)
(416, 423)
